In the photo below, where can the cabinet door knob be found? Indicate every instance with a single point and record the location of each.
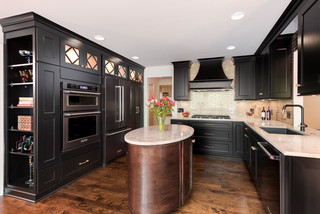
(245, 135)
(246, 129)
(193, 140)
(260, 93)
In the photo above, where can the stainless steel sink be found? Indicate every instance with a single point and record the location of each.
(274, 130)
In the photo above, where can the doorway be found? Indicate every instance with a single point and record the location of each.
(159, 87)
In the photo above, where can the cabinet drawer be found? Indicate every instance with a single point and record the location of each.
(182, 122)
(115, 146)
(204, 146)
(79, 164)
(210, 124)
(214, 134)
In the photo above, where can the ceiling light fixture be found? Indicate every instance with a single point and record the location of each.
(231, 47)
(99, 37)
(135, 57)
(237, 15)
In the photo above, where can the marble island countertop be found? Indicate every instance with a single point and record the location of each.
(307, 145)
(150, 136)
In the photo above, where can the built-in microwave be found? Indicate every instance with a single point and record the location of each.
(78, 97)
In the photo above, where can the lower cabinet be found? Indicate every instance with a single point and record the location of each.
(115, 145)
(48, 179)
(218, 138)
(80, 161)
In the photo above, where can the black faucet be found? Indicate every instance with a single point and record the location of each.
(302, 124)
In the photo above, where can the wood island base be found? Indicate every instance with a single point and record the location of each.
(160, 176)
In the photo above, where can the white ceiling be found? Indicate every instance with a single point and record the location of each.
(162, 31)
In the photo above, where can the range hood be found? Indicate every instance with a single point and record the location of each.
(211, 76)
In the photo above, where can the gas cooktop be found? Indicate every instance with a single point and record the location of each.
(211, 116)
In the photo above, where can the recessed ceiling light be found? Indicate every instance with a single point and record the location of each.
(99, 37)
(135, 57)
(231, 47)
(237, 15)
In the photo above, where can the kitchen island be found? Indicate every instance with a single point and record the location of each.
(160, 168)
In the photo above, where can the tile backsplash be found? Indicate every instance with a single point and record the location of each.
(223, 103)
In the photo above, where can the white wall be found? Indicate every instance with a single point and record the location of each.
(152, 72)
(1, 117)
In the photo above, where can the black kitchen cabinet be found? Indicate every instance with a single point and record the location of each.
(245, 78)
(77, 55)
(181, 72)
(237, 141)
(211, 137)
(136, 106)
(281, 59)
(306, 185)
(47, 47)
(38, 79)
(48, 115)
(309, 48)
(262, 77)
(117, 103)
(179, 122)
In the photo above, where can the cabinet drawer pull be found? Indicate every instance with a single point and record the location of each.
(246, 129)
(254, 148)
(206, 133)
(260, 93)
(84, 162)
(245, 135)
(120, 150)
(193, 140)
(209, 147)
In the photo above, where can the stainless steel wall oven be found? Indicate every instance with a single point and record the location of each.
(81, 115)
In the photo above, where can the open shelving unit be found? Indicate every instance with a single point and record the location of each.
(20, 172)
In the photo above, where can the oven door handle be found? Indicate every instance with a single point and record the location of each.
(80, 114)
(271, 157)
(81, 92)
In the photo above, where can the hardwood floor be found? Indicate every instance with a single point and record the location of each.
(219, 187)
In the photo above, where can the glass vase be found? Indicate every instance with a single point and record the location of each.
(160, 121)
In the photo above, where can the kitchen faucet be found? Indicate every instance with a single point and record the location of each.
(302, 124)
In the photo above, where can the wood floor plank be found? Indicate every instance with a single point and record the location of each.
(219, 186)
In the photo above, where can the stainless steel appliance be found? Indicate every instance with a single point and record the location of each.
(211, 116)
(269, 177)
(78, 97)
(80, 128)
(81, 114)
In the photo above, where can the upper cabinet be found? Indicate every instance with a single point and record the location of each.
(181, 80)
(262, 77)
(281, 60)
(77, 55)
(309, 48)
(245, 77)
(47, 47)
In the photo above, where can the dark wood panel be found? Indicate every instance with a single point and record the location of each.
(76, 166)
(186, 169)
(210, 124)
(237, 139)
(181, 80)
(115, 146)
(214, 134)
(48, 178)
(48, 115)
(181, 122)
(71, 74)
(281, 67)
(47, 47)
(245, 78)
(154, 182)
